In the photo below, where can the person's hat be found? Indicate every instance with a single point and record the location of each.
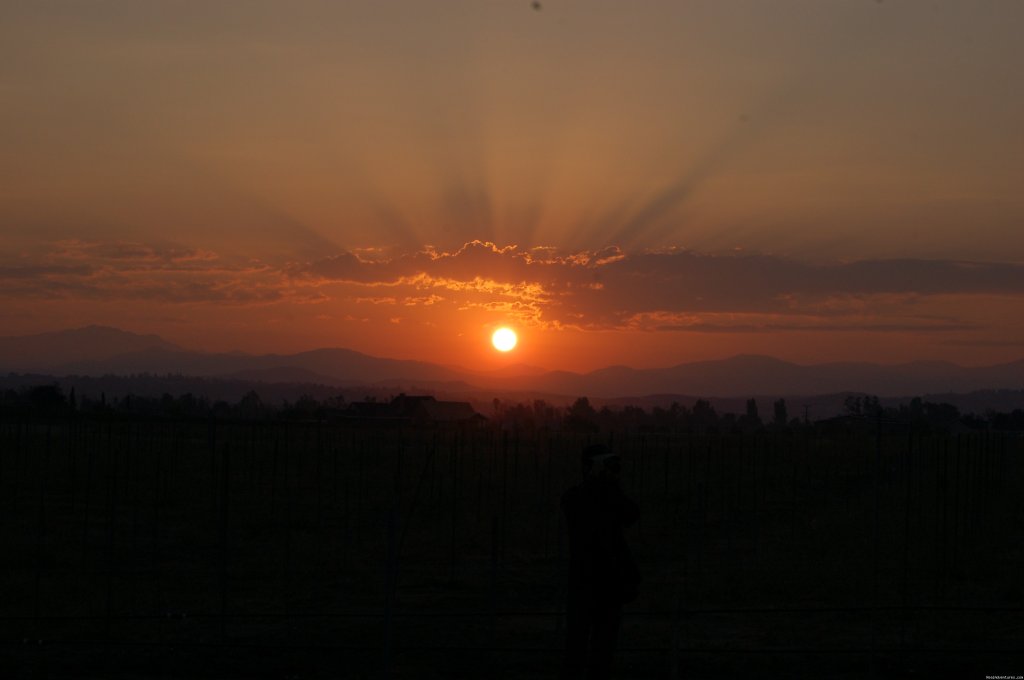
(595, 453)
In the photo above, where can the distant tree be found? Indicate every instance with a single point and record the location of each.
(47, 400)
(916, 410)
(703, 416)
(581, 416)
(664, 419)
(781, 416)
(684, 415)
(750, 420)
(335, 403)
(9, 400)
(189, 405)
(607, 418)
(520, 416)
(871, 406)
(1008, 421)
(975, 422)
(307, 407)
(251, 405)
(220, 409)
(633, 417)
(940, 414)
(544, 414)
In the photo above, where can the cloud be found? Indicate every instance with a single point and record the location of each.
(762, 323)
(609, 288)
(128, 252)
(36, 272)
(163, 273)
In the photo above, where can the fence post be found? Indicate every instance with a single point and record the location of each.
(341, 529)
(318, 560)
(729, 506)
(876, 477)
(224, 495)
(944, 562)
(955, 557)
(138, 459)
(908, 469)
(273, 473)
(673, 661)
(389, 592)
(90, 450)
(755, 543)
(73, 458)
(19, 468)
(111, 510)
(494, 579)
(454, 468)
(640, 485)
(359, 453)
(211, 439)
(40, 531)
(157, 474)
(547, 498)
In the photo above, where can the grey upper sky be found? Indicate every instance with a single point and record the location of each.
(819, 129)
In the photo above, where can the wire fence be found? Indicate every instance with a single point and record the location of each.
(392, 546)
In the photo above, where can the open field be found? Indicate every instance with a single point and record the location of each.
(144, 548)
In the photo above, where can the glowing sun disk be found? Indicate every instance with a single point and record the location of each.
(504, 339)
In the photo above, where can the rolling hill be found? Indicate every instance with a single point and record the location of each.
(96, 351)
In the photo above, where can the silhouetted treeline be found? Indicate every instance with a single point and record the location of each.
(927, 416)
(861, 412)
(581, 416)
(154, 385)
(50, 400)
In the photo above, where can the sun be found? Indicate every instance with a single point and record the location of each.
(504, 339)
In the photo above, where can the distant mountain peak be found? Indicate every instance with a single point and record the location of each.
(100, 350)
(88, 343)
(111, 331)
(91, 330)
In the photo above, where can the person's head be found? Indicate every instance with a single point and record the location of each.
(599, 460)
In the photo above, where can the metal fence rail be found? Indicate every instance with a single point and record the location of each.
(218, 527)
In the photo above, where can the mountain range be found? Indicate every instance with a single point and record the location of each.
(99, 350)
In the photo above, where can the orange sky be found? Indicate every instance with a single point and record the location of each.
(625, 183)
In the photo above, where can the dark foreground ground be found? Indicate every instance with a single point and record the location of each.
(144, 549)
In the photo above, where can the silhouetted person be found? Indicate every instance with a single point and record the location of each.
(602, 573)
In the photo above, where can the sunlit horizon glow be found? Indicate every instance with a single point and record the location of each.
(628, 183)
